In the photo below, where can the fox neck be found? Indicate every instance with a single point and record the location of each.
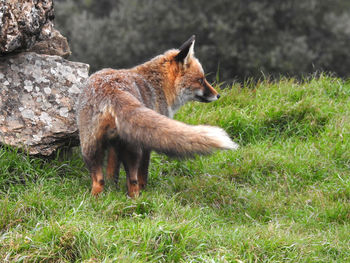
(180, 100)
(161, 73)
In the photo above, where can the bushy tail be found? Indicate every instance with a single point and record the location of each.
(154, 131)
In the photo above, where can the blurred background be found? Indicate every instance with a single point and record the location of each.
(235, 39)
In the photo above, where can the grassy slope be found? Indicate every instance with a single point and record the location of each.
(283, 197)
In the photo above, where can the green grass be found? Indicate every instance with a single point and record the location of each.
(284, 196)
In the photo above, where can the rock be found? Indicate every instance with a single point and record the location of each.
(37, 101)
(51, 42)
(26, 24)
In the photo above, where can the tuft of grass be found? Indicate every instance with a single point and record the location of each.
(284, 196)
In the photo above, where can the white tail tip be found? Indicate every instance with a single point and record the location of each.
(219, 135)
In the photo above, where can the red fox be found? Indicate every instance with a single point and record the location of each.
(128, 112)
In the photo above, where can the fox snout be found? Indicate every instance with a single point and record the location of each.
(207, 93)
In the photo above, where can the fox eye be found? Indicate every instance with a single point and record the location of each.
(201, 81)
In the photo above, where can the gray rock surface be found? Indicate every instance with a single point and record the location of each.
(27, 25)
(37, 101)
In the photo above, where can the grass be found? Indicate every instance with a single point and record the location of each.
(284, 196)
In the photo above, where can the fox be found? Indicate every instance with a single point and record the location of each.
(127, 113)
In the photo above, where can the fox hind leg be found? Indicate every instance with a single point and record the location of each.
(94, 163)
(97, 181)
(131, 158)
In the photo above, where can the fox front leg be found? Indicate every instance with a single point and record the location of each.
(113, 165)
(142, 174)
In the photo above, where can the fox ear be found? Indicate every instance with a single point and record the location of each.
(186, 51)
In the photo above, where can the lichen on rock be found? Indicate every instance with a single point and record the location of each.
(37, 101)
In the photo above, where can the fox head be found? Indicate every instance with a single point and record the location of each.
(180, 76)
(183, 78)
(191, 82)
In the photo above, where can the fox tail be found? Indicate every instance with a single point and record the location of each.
(149, 129)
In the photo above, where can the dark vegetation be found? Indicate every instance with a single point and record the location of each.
(238, 39)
